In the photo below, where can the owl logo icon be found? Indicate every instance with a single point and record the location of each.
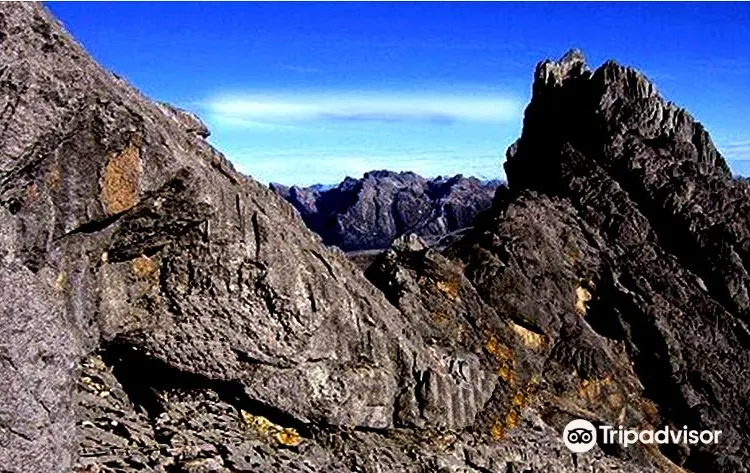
(579, 436)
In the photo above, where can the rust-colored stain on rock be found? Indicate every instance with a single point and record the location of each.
(121, 179)
(514, 413)
(449, 288)
(144, 267)
(504, 357)
(582, 297)
(52, 179)
(285, 436)
(530, 339)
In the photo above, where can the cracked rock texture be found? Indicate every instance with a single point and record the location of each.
(369, 213)
(162, 312)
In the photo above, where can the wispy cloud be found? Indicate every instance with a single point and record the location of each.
(230, 121)
(299, 69)
(740, 145)
(739, 151)
(380, 107)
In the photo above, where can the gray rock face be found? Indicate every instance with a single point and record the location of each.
(619, 202)
(369, 213)
(666, 229)
(162, 312)
(124, 232)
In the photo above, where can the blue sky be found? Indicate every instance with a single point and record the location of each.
(301, 93)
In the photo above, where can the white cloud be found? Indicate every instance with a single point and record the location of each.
(383, 107)
(233, 121)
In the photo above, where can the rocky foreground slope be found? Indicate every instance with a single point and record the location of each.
(161, 312)
(369, 213)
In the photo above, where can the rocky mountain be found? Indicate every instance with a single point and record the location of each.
(369, 213)
(162, 312)
(619, 257)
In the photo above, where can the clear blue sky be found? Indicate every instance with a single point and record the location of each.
(300, 93)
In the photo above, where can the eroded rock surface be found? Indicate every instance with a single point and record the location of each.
(162, 312)
(619, 253)
(668, 231)
(125, 232)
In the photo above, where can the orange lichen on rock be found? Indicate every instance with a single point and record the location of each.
(61, 282)
(144, 267)
(572, 253)
(592, 389)
(504, 357)
(121, 179)
(449, 288)
(498, 430)
(259, 422)
(501, 428)
(651, 411)
(285, 436)
(518, 402)
(512, 419)
(441, 318)
(519, 399)
(52, 179)
(530, 339)
(615, 400)
(288, 437)
(443, 441)
(602, 393)
(582, 297)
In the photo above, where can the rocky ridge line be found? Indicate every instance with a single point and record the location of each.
(369, 213)
(620, 250)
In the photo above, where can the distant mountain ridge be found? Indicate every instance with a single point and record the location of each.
(370, 212)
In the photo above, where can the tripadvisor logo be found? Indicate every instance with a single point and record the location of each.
(580, 436)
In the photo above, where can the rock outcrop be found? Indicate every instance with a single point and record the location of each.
(665, 253)
(369, 213)
(162, 312)
(620, 253)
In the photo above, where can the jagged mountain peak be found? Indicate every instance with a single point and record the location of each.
(553, 73)
(369, 213)
(387, 174)
(629, 197)
(594, 111)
